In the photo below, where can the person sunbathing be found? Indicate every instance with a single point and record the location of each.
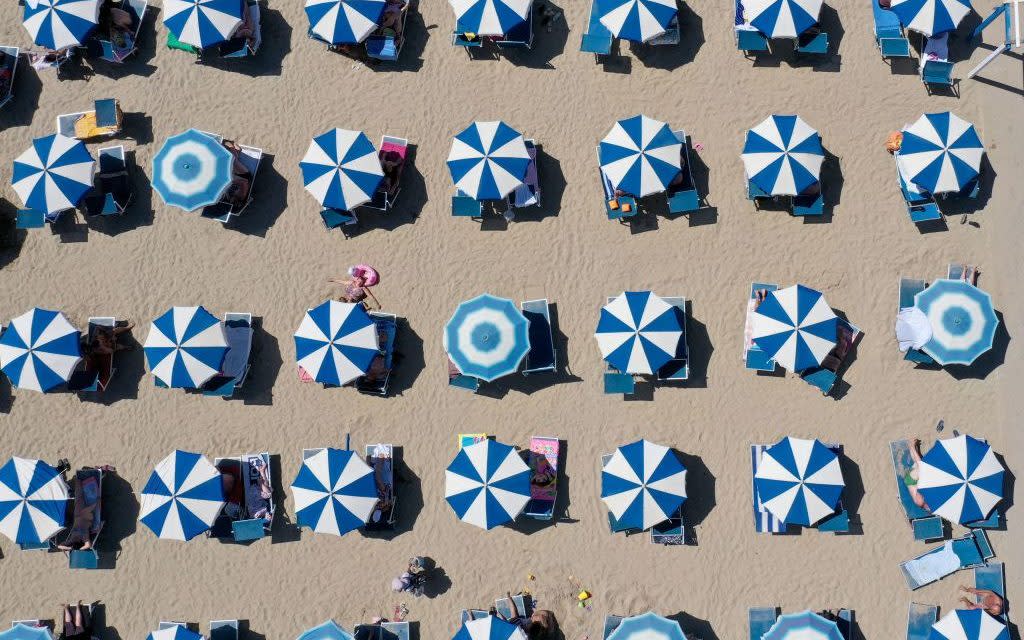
(263, 492)
(392, 18)
(991, 602)
(356, 290)
(104, 341)
(391, 162)
(911, 476)
(80, 536)
(77, 624)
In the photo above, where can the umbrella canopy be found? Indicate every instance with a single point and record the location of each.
(643, 484)
(636, 20)
(344, 21)
(940, 152)
(192, 170)
(203, 23)
(341, 169)
(488, 160)
(796, 327)
(640, 155)
(487, 337)
(638, 332)
(57, 24)
(931, 17)
(21, 631)
(33, 501)
(803, 626)
(961, 479)
(174, 632)
(487, 484)
(647, 626)
(962, 319)
(782, 18)
(182, 497)
(334, 492)
(799, 481)
(489, 628)
(39, 350)
(327, 631)
(185, 347)
(53, 174)
(490, 17)
(782, 155)
(336, 342)
(964, 624)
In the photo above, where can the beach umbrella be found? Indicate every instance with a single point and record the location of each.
(969, 624)
(341, 169)
(640, 155)
(961, 479)
(803, 626)
(203, 23)
(643, 484)
(53, 174)
(647, 626)
(22, 631)
(636, 20)
(39, 350)
(782, 155)
(58, 24)
(489, 628)
(782, 18)
(799, 481)
(962, 319)
(487, 484)
(795, 327)
(638, 332)
(490, 17)
(931, 17)
(336, 342)
(185, 347)
(334, 492)
(488, 160)
(192, 170)
(174, 632)
(487, 337)
(344, 21)
(33, 501)
(182, 497)
(940, 152)
(329, 630)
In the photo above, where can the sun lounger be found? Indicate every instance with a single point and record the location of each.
(11, 57)
(683, 198)
(104, 120)
(519, 37)
(992, 578)
(812, 43)
(466, 39)
(937, 72)
(238, 331)
(385, 44)
(504, 607)
(597, 39)
(543, 461)
(528, 193)
(751, 41)
(250, 157)
(616, 207)
(824, 377)
(30, 219)
(112, 192)
(472, 614)
(399, 629)
(389, 145)
(170, 625)
(87, 521)
(920, 618)
(541, 356)
(611, 623)
(466, 439)
(250, 515)
(99, 367)
(952, 556)
(809, 205)
(223, 629)
(39, 61)
(336, 218)
(755, 357)
(387, 332)
(678, 368)
(109, 51)
(760, 621)
(464, 206)
(381, 459)
(924, 525)
(889, 36)
(921, 206)
(671, 532)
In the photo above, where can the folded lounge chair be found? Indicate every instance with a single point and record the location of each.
(824, 377)
(541, 357)
(248, 515)
(381, 459)
(528, 193)
(223, 629)
(543, 459)
(87, 521)
(233, 372)
(387, 332)
(760, 621)
(390, 147)
(242, 47)
(683, 198)
(678, 368)
(755, 357)
(925, 526)
(597, 39)
(336, 218)
(104, 120)
(809, 205)
(889, 35)
(908, 289)
(118, 54)
(385, 44)
(954, 555)
(10, 64)
(920, 618)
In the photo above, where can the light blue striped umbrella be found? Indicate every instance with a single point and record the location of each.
(783, 155)
(57, 24)
(931, 17)
(174, 632)
(334, 492)
(192, 170)
(490, 17)
(185, 347)
(647, 626)
(489, 628)
(940, 152)
(961, 479)
(33, 501)
(643, 484)
(53, 174)
(22, 631)
(969, 624)
(203, 23)
(39, 350)
(487, 484)
(962, 319)
(182, 497)
(487, 337)
(782, 18)
(488, 160)
(344, 21)
(341, 169)
(640, 155)
(796, 327)
(636, 20)
(639, 332)
(799, 481)
(803, 626)
(336, 342)
(329, 630)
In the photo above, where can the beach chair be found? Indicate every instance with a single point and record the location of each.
(87, 487)
(382, 198)
(223, 629)
(527, 194)
(400, 630)
(542, 356)
(29, 219)
(824, 377)
(678, 368)
(543, 459)
(908, 289)
(937, 73)
(751, 42)
(921, 206)
(387, 332)
(241, 47)
(117, 55)
(384, 44)
(936, 564)
(992, 578)
(683, 198)
(10, 64)
(809, 205)
(504, 606)
(597, 39)
(99, 368)
(382, 456)
(671, 532)
(812, 43)
(755, 357)
(250, 157)
(233, 372)
(460, 381)
(464, 206)
(611, 623)
(255, 514)
(164, 624)
(112, 192)
(103, 121)
(760, 621)
(920, 618)
(336, 218)
(472, 614)
(889, 35)
(619, 208)
(924, 525)
(617, 382)
(519, 36)
(764, 521)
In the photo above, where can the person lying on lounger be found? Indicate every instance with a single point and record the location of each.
(232, 492)
(539, 626)
(392, 19)
(991, 602)
(382, 471)
(77, 624)
(261, 493)
(910, 477)
(104, 340)
(391, 162)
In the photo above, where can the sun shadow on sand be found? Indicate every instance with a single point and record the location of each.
(139, 212)
(283, 529)
(700, 489)
(550, 34)
(409, 361)
(669, 57)
(693, 626)
(130, 368)
(989, 360)
(408, 499)
(270, 196)
(120, 518)
(267, 363)
(274, 46)
(411, 198)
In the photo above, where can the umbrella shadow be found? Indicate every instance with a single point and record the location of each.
(282, 529)
(694, 627)
(700, 489)
(266, 362)
(409, 360)
(270, 196)
(670, 57)
(988, 361)
(962, 206)
(25, 97)
(130, 367)
(1009, 484)
(831, 61)
(552, 186)
(529, 384)
(550, 36)
(698, 351)
(12, 239)
(6, 396)
(832, 182)
(120, 518)
(437, 584)
(853, 492)
(408, 499)
(139, 212)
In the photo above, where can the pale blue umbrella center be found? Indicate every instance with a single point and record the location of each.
(956, 322)
(486, 336)
(187, 167)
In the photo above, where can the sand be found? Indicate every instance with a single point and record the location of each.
(275, 262)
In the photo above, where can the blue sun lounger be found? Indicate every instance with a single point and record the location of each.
(336, 218)
(684, 198)
(760, 621)
(809, 205)
(387, 334)
(920, 618)
(223, 629)
(464, 206)
(937, 72)
(384, 44)
(611, 623)
(908, 289)
(751, 41)
(755, 357)
(812, 43)
(541, 357)
(921, 206)
(678, 368)
(889, 35)
(992, 578)
(967, 552)
(825, 378)
(617, 382)
(238, 331)
(925, 526)
(30, 219)
(597, 39)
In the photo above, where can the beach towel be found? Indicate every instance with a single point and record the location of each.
(912, 329)
(543, 469)
(933, 566)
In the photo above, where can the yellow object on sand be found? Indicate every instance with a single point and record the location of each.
(85, 127)
(584, 595)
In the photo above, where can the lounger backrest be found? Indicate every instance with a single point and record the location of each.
(937, 72)
(760, 621)
(112, 160)
(920, 618)
(224, 630)
(909, 288)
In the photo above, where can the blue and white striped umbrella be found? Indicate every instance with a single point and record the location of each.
(647, 626)
(22, 631)
(969, 624)
(174, 632)
(488, 160)
(39, 350)
(344, 21)
(803, 626)
(962, 319)
(931, 17)
(490, 17)
(341, 169)
(185, 347)
(487, 337)
(636, 20)
(192, 170)
(799, 481)
(782, 18)
(783, 155)
(638, 332)
(961, 479)
(33, 501)
(489, 628)
(334, 492)
(182, 497)
(796, 327)
(940, 152)
(640, 155)
(487, 484)
(336, 342)
(57, 24)
(329, 630)
(643, 484)
(53, 174)
(203, 23)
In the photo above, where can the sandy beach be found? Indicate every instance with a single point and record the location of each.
(275, 262)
